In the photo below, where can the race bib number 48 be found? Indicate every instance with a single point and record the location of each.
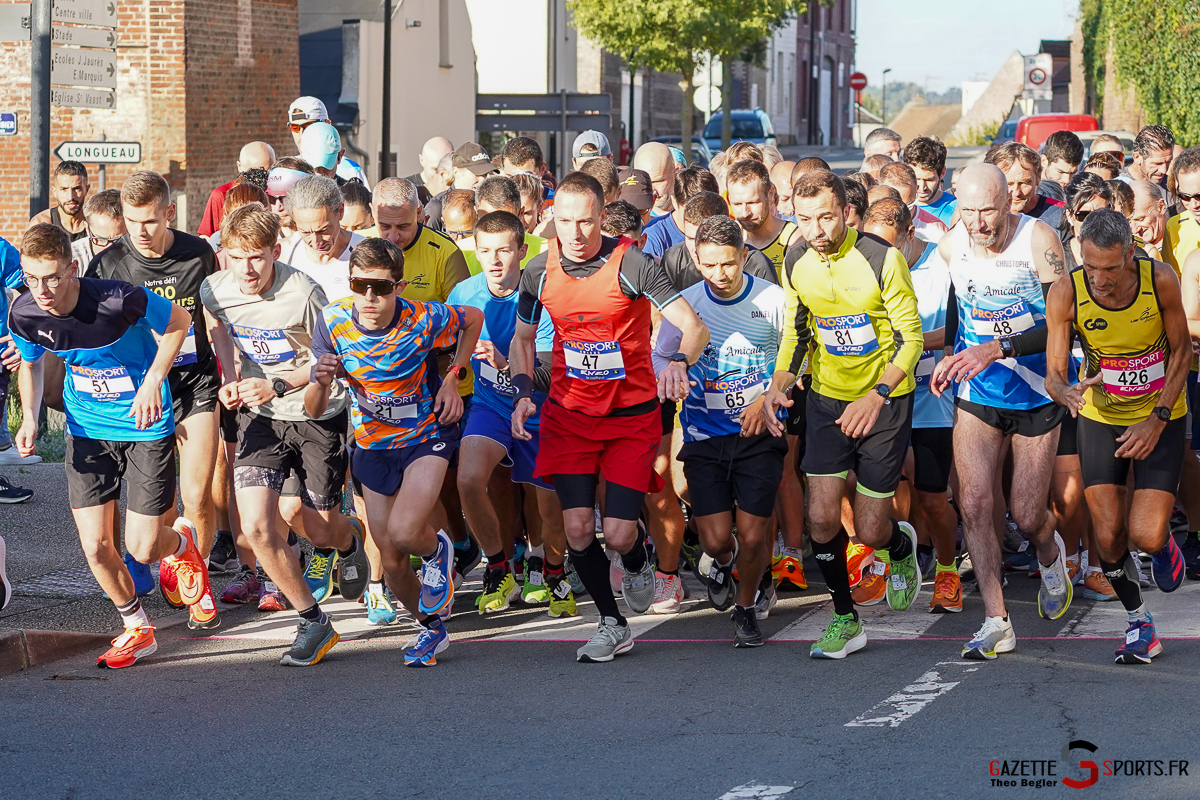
(993, 323)
(594, 361)
(103, 384)
(263, 346)
(1136, 376)
(851, 335)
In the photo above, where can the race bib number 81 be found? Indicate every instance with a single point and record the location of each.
(851, 335)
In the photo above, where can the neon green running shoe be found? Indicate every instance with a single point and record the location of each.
(562, 599)
(498, 592)
(904, 582)
(844, 636)
(533, 590)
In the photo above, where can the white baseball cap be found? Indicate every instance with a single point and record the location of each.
(304, 109)
(320, 145)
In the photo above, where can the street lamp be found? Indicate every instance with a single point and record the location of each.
(884, 112)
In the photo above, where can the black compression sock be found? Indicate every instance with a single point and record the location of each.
(659, 568)
(900, 546)
(592, 567)
(635, 559)
(1129, 591)
(498, 561)
(925, 549)
(831, 558)
(314, 614)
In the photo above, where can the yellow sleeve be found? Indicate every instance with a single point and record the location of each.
(796, 332)
(454, 271)
(900, 302)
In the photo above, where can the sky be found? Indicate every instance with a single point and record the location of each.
(941, 43)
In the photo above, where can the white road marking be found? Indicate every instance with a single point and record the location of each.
(1174, 615)
(580, 628)
(879, 620)
(349, 619)
(902, 705)
(757, 790)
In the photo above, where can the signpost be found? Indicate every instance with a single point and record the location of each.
(100, 152)
(1038, 69)
(101, 13)
(83, 98)
(73, 67)
(8, 123)
(84, 37)
(560, 112)
(858, 82)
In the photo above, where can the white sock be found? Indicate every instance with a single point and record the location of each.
(137, 619)
(183, 543)
(375, 587)
(536, 552)
(1139, 613)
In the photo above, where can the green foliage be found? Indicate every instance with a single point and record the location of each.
(1156, 50)
(976, 135)
(51, 443)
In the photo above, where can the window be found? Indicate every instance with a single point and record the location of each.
(444, 33)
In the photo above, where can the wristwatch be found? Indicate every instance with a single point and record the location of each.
(280, 386)
(1163, 413)
(681, 358)
(884, 391)
(458, 372)
(1006, 347)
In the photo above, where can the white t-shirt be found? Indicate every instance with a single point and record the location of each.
(333, 278)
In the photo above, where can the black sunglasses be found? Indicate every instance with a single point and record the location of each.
(1187, 198)
(379, 286)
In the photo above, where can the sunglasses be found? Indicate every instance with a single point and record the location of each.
(297, 127)
(100, 241)
(1187, 198)
(380, 286)
(456, 235)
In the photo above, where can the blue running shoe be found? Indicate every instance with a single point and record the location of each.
(319, 575)
(429, 643)
(379, 609)
(1141, 642)
(1167, 566)
(437, 577)
(143, 579)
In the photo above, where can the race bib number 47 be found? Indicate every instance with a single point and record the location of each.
(851, 335)
(594, 361)
(1136, 376)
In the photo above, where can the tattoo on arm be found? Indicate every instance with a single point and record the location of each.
(1055, 261)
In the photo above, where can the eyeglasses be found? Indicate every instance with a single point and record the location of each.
(456, 235)
(380, 286)
(100, 241)
(50, 281)
(1187, 198)
(277, 199)
(297, 127)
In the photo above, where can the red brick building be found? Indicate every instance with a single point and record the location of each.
(197, 79)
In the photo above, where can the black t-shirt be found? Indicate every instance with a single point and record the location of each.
(640, 277)
(1048, 211)
(177, 276)
(56, 221)
(433, 213)
(423, 194)
(680, 268)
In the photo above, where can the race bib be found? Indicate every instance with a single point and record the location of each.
(925, 367)
(263, 346)
(187, 353)
(103, 384)
(499, 381)
(1136, 376)
(733, 394)
(387, 409)
(852, 335)
(594, 361)
(992, 323)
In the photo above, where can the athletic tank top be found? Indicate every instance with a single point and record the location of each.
(777, 249)
(602, 338)
(1128, 346)
(1000, 297)
(56, 221)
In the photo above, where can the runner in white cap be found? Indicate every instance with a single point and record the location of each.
(588, 145)
(304, 112)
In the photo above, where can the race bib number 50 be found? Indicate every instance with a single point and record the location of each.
(851, 335)
(263, 346)
(1136, 376)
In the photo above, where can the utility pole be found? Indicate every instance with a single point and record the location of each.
(385, 163)
(39, 108)
(883, 112)
(813, 86)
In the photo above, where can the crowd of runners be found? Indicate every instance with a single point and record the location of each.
(589, 384)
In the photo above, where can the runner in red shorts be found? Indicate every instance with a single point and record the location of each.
(602, 417)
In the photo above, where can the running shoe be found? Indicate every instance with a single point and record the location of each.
(721, 585)
(1191, 555)
(1167, 566)
(10, 457)
(203, 616)
(611, 639)
(904, 582)
(191, 572)
(873, 587)
(1074, 571)
(966, 569)
(1179, 520)
(167, 583)
(533, 588)
(745, 625)
(1096, 587)
(269, 596)
(223, 557)
(577, 587)
(766, 598)
(926, 564)
(313, 641)
(11, 495)
(996, 636)
(379, 609)
(1022, 559)
(143, 578)
(498, 591)
(1054, 595)
(5, 586)
(437, 584)
(128, 648)
(668, 594)
(843, 636)
(562, 598)
(319, 575)
(1014, 540)
(858, 558)
(432, 640)
(616, 572)
(467, 556)
(242, 589)
(354, 570)
(691, 553)
(1141, 642)
(947, 593)
(638, 588)
(1133, 569)
(788, 570)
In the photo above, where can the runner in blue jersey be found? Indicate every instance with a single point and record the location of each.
(729, 458)
(932, 436)
(488, 441)
(119, 420)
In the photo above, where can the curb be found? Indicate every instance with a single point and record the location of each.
(22, 649)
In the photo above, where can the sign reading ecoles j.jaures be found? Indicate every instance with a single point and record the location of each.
(100, 152)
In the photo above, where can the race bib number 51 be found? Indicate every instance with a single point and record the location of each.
(103, 384)
(594, 361)
(851, 335)
(1136, 376)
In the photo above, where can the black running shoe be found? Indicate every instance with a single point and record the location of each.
(10, 494)
(746, 632)
(467, 560)
(223, 557)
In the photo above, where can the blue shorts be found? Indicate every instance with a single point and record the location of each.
(450, 434)
(382, 471)
(520, 456)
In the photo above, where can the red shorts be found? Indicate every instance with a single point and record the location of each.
(621, 449)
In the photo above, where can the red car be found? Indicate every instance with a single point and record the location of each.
(1036, 128)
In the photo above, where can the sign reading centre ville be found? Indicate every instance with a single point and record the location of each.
(100, 152)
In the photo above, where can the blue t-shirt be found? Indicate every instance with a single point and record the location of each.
(10, 278)
(493, 388)
(931, 282)
(943, 207)
(661, 233)
(107, 345)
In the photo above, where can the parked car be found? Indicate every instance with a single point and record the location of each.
(1036, 128)
(748, 125)
(1126, 137)
(1006, 132)
(700, 152)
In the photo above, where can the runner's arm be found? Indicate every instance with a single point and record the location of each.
(669, 340)
(29, 385)
(324, 366)
(1050, 264)
(1060, 315)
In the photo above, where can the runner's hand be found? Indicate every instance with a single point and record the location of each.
(772, 401)
(1138, 441)
(673, 383)
(27, 438)
(488, 352)
(325, 370)
(10, 357)
(147, 404)
(524, 409)
(255, 392)
(752, 418)
(964, 365)
(1072, 396)
(859, 417)
(228, 395)
(448, 405)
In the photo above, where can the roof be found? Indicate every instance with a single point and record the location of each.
(1058, 48)
(918, 119)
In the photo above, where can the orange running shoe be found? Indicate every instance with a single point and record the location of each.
(128, 648)
(203, 616)
(873, 586)
(1073, 571)
(191, 573)
(947, 592)
(788, 572)
(1096, 587)
(168, 584)
(858, 558)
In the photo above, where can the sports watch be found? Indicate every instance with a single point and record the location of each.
(884, 391)
(280, 386)
(1006, 347)
(1163, 413)
(457, 372)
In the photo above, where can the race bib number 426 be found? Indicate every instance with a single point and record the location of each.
(1132, 377)
(594, 361)
(851, 335)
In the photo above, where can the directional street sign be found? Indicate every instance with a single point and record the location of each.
(100, 152)
(71, 67)
(84, 37)
(82, 98)
(8, 123)
(102, 13)
(14, 22)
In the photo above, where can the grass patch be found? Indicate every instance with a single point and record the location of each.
(52, 443)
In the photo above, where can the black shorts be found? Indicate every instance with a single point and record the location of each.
(1100, 466)
(452, 434)
(229, 424)
(269, 450)
(382, 471)
(731, 469)
(667, 412)
(1193, 396)
(1029, 423)
(95, 468)
(933, 456)
(194, 394)
(798, 413)
(1067, 437)
(877, 458)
